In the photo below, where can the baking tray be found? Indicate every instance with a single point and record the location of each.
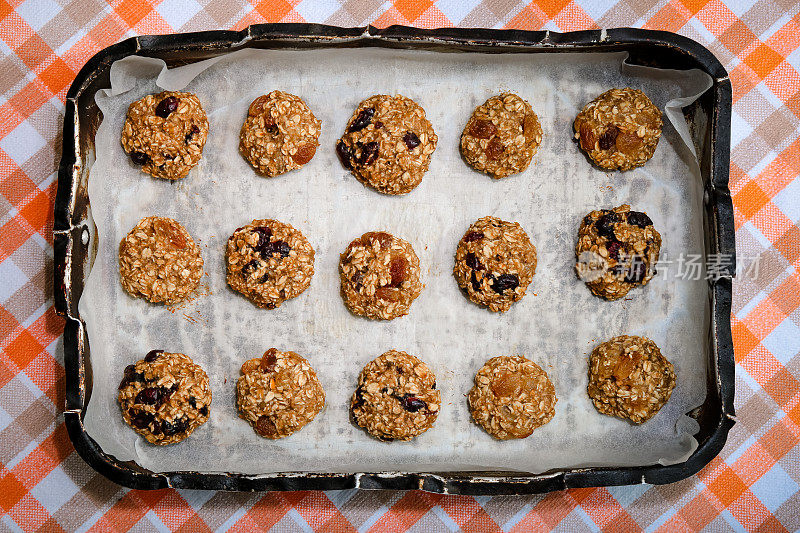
(75, 248)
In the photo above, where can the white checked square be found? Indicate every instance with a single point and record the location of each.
(5, 419)
(11, 279)
(628, 494)
(457, 10)
(784, 341)
(22, 143)
(787, 200)
(740, 7)
(54, 490)
(178, 12)
(317, 10)
(740, 129)
(774, 487)
(596, 8)
(37, 13)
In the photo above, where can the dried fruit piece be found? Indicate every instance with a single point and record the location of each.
(637, 271)
(476, 285)
(628, 142)
(605, 225)
(639, 219)
(345, 155)
(399, 270)
(152, 355)
(513, 384)
(278, 247)
(411, 140)
(383, 238)
(529, 127)
(268, 360)
(304, 153)
(266, 427)
(613, 250)
(140, 419)
(369, 153)
(139, 158)
(505, 282)
(264, 235)
(482, 129)
(473, 262)
(149, 396)
(588, 138)
(472, 236)
(388, 293)
(166, 106)
(412, 404)
(362, 120)
(608, 138)
(495, 149)
(130, 376)
(257, 106)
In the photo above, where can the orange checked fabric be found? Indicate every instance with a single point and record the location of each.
(753, 485)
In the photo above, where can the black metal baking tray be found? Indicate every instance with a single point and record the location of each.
(709, 119)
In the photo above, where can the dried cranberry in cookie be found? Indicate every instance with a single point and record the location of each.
(380, 276)
(619, 129)
(501, 136)
(396, 397)
(629, 378)
(495, 263)
(278, 393)
(165, 134)
(617, 250)
(279, 134)
(159, 261)
(164, 397)
(512, 396)
(388, 143)
(269, 262)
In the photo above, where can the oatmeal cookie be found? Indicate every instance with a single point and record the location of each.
(165, 133)
(495, 263)
(617, 250)
(396, 398)
(512, 396)
(629, 378)
(502, 136)
(388, 143)
(278, 393)
(279, 134)
(619, 129)
(159, 261)
(380, 276)
(269, 262)
(164, 397)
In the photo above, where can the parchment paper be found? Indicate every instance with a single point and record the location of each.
(556, 325)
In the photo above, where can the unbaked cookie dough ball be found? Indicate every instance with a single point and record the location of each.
(617, 250)
(512, 396)
(495, 263)
(269, 262)
(388, 143)
(380, 276)
(278, 393)
(279, 134)
(629, 378)
(396, 398)
(164, 397)
(165, 133)
(159, 261)
(502, 136)
(619, 129)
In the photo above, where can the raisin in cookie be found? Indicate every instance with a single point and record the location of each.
(396, 398)
(380, 276)
(278, 393)
(617, 250)
(164, 397)
(495, 263)
(165, 133)
(629, 378)
(279, 134)
(502, 136)
(159, 261)
(388, 143)
(619, 129)
(269, 262)
(512, 396)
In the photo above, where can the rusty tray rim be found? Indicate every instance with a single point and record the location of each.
(721, 226)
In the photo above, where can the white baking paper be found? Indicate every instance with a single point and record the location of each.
(556, 325)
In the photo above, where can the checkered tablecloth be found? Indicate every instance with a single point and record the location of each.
(752, 485)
